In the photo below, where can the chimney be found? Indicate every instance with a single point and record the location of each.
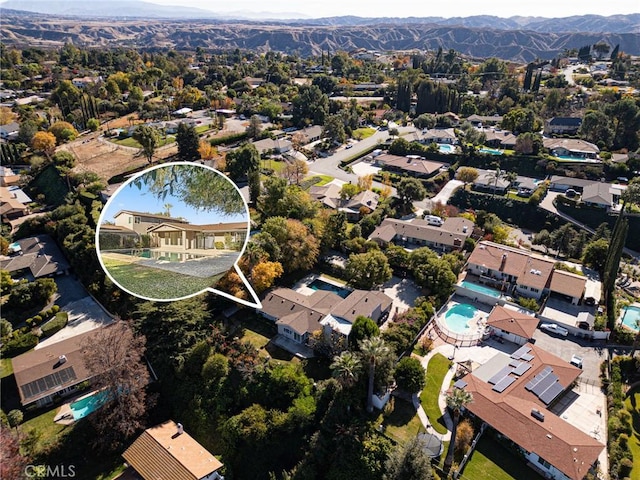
(504, 260)
(180, 429)
(62, 359)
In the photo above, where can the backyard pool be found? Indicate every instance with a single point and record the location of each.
(491, 151)
(457, 317)
(475, 287)
(157, 255)
(569, 158)
(88, 404)
(631, 317)
(446, 148)
(319, 284)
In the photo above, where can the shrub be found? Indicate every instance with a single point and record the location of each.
(220, 245)
(55, 325)
(410, 375)
(464, 436)
(529, 304)
(19, 344)
(55, 309)
(37, 320)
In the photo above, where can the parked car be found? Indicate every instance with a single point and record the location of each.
(554, 328)
(434, 220)
(576, 360)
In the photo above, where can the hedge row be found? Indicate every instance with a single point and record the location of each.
(234, 137)
(55, 325)
(19, 344)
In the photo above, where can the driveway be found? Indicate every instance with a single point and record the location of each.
(403, 292)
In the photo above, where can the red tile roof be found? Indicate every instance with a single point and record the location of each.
(513, 321)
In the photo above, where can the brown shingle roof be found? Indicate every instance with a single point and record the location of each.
(556, 441)
(567, 283)
(513, 321)
(39, 254)
(416, 165)
(160, 454)
(151, 215)
(361, 302)
(451, 233)
(211, 227)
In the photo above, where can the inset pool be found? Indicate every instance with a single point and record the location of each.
(88, 404)
(157, 254)
(457, 317)
(446, 148)
(631, 317)
(491, 151)
(319, 284)
(491, 292)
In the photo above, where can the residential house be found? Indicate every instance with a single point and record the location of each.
(559, 183)
(13, 202)
(562, 125)
(310, 134)
(487, 181)
(450, 236)
(38, 256)
(298, 316)
(510, 268)
(411, 165)
(602, 195)
(8, 178)
(569, 286)
(329, 195)
(525, 185)
(571, 148)
(9, 131)
(513, 395)
(116, 236)
(82, 82)
(269, 145)
(497, 138)
(439, 135)
(185, 236)
(514, 325)
(141, 222)
(45, 374)
(479, 120)
(166, 451)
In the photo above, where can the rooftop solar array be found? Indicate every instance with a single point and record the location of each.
(522, 368)
(551, 393)
(527, 357)
(460, 384)
(503, 384)
(538, 378)
(500, 375)
(515, 363)
(521, 351)
(35, 388)
(543, 384)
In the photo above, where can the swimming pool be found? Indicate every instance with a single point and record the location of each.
(480, 289)
(569, 158)
(88, 404)
(491, 151)
(457, 317)
(630, 317)
(157, 255)
(446, 148)
(319, 284)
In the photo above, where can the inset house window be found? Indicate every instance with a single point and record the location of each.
(137, 220)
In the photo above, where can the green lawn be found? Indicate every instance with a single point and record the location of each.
(130, 142)
(6, 368)
(492, 461)
(319, 180)
(363, 133)
(202, 128)
(156, 283)
(436, 370)
(403, 424)
(632, 404)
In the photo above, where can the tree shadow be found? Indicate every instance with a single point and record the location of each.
(402, 414)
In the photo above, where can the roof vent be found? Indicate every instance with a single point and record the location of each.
(180, 429)
(62, 359)
(464, 229)
(538, 415)
(549, 436)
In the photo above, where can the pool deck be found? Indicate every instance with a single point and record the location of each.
(303, 285)
(477, 323)
(621, 319)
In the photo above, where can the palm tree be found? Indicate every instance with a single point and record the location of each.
(167, 209)
(346, 368)
(456, 399)
(372, 349)
(495, 177)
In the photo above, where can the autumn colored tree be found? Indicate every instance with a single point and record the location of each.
(295, 171)
(365, 182)
(264, 274)
(12, 462)
(206, 150)
(467, 174)
(299, 247)
(6, 116)
(44, 142)
(63, 131)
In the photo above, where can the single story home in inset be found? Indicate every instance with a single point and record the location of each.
(185, 236)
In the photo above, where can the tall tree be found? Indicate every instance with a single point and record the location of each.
(409, 461)
(372, 350)
(254, 129)
(188, 143)
(115, 359)
(368, 270)
(242, 161)
(410, 190)
(149, 139)
(363, 327)
(346, 367)
(456, 399)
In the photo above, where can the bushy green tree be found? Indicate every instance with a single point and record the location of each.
(368, 270)
(410, 375)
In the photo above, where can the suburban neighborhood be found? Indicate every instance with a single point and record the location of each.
(444, 248)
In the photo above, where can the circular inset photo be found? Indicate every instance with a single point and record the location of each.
(172, 231)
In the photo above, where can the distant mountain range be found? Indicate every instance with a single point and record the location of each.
(139, 24)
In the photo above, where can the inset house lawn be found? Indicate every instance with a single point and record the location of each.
(436, 370)
(403, 424)
(154, 282)
(493, 461)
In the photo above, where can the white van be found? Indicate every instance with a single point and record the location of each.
(434, 220)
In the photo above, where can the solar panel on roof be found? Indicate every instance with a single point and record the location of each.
(521, 351)
(522, 368)
(551, 393)
(503, 384)
(500, 375)
(527, 357)
(544, 384)
(48, 382)
(460, 384)
(515, 363)
(538, 378)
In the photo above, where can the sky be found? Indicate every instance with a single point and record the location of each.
(140, 200)
(418, 8)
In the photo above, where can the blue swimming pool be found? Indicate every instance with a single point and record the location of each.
(480, 289)
(157, 254)
(630, 318)
(491, 151)
(446, 148)
(319, 284)
(88, 404)
(457, 317)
